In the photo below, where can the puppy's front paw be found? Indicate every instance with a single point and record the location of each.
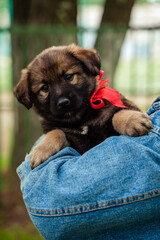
(39, 155)
(138, 124)
(132, 123)
(52, 143)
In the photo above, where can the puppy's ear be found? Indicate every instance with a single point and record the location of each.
(21, 91)
(88, 57)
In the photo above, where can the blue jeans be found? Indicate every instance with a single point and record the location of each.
(110, 192)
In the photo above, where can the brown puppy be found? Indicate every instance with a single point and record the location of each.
(58, 83)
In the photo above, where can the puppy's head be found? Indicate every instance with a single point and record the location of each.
(59, 81)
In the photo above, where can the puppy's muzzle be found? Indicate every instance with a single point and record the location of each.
(63, 102)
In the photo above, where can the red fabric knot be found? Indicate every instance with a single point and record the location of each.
(107, 93)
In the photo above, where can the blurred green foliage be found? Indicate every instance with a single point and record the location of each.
(19, 233)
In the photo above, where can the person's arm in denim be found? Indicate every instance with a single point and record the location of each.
(110, 192)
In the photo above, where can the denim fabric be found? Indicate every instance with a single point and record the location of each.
(110, 192)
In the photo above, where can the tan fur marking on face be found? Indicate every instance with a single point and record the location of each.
(75, 80)
(42, 96)
(74, 70)
(78, 79)
(36, 87)
(58, 90)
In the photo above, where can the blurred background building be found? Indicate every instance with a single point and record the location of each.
(125, 33)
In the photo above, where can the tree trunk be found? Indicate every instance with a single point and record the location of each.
(45, 12)
(112, 33)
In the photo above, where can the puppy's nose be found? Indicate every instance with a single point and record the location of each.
(63, 102)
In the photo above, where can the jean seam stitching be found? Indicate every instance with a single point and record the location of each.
(155, 129)
(156, 106)
(96, 206)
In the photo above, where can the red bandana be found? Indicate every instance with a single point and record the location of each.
(107, 93)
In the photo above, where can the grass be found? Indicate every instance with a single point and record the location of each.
(17, 232)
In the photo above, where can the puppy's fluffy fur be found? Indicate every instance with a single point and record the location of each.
(58, 83)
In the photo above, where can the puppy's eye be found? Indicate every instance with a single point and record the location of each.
(69, 77)
(45, 88)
